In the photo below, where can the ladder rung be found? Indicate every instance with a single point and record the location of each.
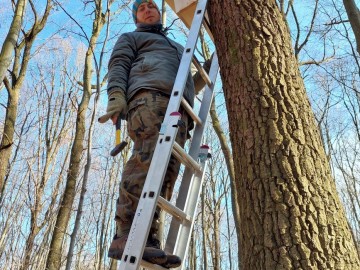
(173, 210)
(202, 71)
(150, 266)
(191, 112)
(185, 158)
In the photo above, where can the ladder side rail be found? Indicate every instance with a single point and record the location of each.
(183, 237)
(186, 59)
(193, 152)
(141, 224)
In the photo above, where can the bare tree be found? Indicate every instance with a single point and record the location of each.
(52, 126)
(192, 253)
(104, 213)
(18, 72)
(354, 17)
(63, 217)
(289, 200)
(214, 205)
(98, 65)
(277, 176)
(39, 160)
(204, 227)
(11, 38)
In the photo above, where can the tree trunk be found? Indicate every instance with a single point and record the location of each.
(291, 215)
(192, 252)
(45, 158)
(354, 18)
(20, 65)
(228, 228)
(216, 236)
(230, 167)
(11, 38)
(63, 217)
(34, 230)
(8, 134)
(214, 200)
(204, 227)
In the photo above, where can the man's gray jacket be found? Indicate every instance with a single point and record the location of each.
(146, 59)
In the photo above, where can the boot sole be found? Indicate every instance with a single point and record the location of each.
(168, 266)
(171, 262)
(114, 254)
(152, 256)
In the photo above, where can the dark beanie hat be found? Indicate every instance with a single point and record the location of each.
(136, 5)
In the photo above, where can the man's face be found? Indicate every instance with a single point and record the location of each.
(147, 13)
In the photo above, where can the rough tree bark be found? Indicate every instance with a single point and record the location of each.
(291, 215)
(354, 18)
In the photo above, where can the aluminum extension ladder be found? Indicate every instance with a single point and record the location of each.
(195, 162)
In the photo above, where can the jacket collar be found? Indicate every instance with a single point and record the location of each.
(154, 28)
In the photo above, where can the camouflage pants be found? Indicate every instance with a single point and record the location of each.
(146, 112)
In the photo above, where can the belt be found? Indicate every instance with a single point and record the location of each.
(145, 92)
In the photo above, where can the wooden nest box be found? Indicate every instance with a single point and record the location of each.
(184, 9)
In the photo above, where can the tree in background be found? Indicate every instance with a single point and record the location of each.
(291, 215)
(354, 18)
(18, 72)
(54, 258)
(37, 171)
(11, 38)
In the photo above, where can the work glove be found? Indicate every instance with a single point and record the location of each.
(117, 106)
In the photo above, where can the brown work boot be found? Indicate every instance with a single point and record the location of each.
(172, 261)
(117, 247)
(152, 251)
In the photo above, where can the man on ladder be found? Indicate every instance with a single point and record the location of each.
(142, 71)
